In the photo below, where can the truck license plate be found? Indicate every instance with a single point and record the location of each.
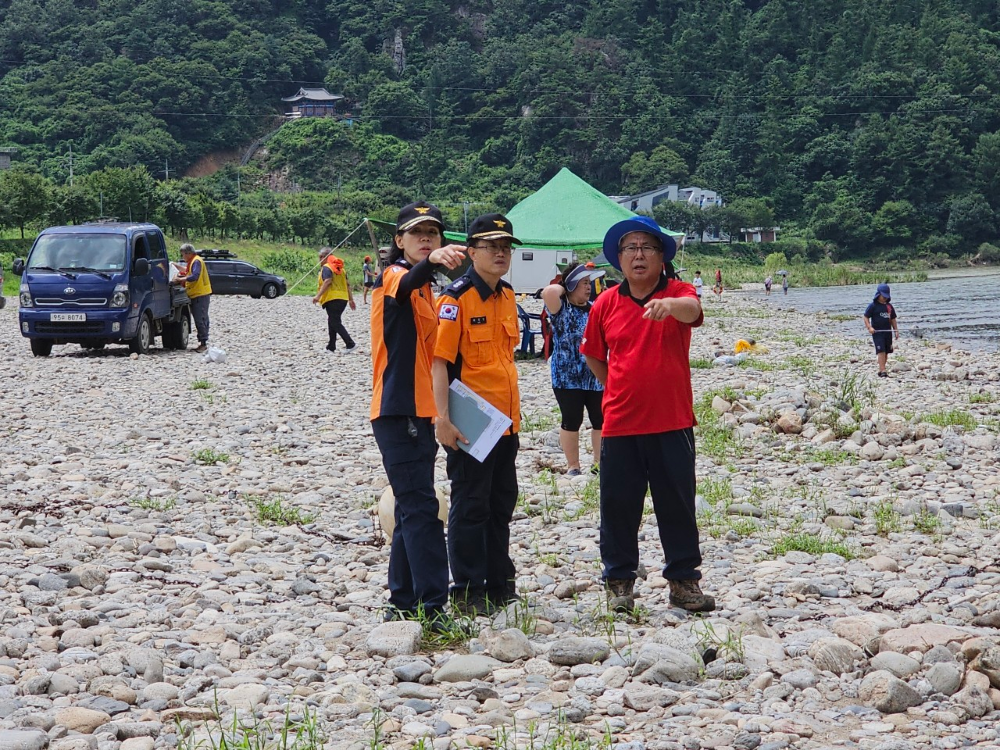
(68, 317)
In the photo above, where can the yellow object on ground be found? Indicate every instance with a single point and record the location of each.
(744, 345)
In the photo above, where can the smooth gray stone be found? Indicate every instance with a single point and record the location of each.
(418, 705)
(23, 739)
(102, 703)
(572, 651)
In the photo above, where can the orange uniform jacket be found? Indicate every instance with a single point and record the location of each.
(477, 332)
(403, 338)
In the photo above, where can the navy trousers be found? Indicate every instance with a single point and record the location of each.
(418, 559)
(664, 463)
(483, 497)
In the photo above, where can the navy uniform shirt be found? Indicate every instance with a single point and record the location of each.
(881, 315)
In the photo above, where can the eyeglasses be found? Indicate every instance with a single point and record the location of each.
(495, 249)
(631, 251)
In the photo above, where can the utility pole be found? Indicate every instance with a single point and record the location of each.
(166, 170)
(238, 188)
(67, 161)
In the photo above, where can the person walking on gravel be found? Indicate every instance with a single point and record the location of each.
(637, 343)
(880, 320)
(404, 332)
(334, 296)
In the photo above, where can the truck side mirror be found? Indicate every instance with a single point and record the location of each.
(140, 267)
(18, 267)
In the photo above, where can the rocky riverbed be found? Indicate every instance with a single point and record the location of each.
(189, 554)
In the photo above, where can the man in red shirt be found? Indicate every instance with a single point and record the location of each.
(636, 342)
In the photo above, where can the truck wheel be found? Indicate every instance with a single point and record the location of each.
(41, 347)
(175, 335)
(270, 291)
(143, 340)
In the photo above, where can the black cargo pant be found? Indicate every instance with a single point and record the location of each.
(483, 497)
(335, 325)
(418, 559)
(664, 463)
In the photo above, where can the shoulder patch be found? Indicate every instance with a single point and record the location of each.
(448, 312)
(458, 287)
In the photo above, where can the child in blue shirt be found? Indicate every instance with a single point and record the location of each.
(880, 320)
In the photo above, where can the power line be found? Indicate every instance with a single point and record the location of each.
(541, 91)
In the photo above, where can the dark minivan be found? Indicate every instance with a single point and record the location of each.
(240, 277)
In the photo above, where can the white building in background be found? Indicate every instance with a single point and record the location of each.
(694, 196)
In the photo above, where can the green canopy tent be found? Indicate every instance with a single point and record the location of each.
(566, 215)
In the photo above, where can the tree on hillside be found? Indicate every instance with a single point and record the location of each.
(972, 218)
(662, 166)
(24, 198)
(127, 194)
(676, 215)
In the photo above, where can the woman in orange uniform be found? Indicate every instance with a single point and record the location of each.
(404, 332)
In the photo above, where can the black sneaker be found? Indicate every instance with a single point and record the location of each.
(395, 614)
(883, 374)
(470, 605)
(497, 600)
(444, 624)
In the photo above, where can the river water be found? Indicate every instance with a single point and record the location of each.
(958, 306)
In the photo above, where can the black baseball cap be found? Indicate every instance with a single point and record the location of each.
(416, 213)
(491, 227)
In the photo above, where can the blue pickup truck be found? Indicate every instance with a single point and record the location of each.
(98, 284)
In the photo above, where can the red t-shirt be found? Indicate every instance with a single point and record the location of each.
(649, 372)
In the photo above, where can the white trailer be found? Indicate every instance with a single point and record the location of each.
(531, 270)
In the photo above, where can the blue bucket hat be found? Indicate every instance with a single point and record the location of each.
(882, 290)
(636, 224)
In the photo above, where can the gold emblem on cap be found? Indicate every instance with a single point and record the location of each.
(421, 209)
(499, 223)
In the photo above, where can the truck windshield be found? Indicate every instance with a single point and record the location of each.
(78, 252)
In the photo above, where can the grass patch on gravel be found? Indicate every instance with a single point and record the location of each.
(801, 541)
(716, 491)
(210, 457)
(152, 503)
(926, 522)
(539, 421)
(981, 398)
(276, 512)
(714, 438)
(831, 456)
(952, 417)
(296, 732)
(887, 518)
(200, 385)
(718, 524)
(701, 363)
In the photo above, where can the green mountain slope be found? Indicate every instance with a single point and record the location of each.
(873, 123)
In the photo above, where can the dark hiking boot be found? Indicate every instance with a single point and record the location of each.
(498, 599)
(471, 605)
(688, 595)
(621, 596)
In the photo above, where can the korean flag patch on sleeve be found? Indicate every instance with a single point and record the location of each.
(448, 312)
